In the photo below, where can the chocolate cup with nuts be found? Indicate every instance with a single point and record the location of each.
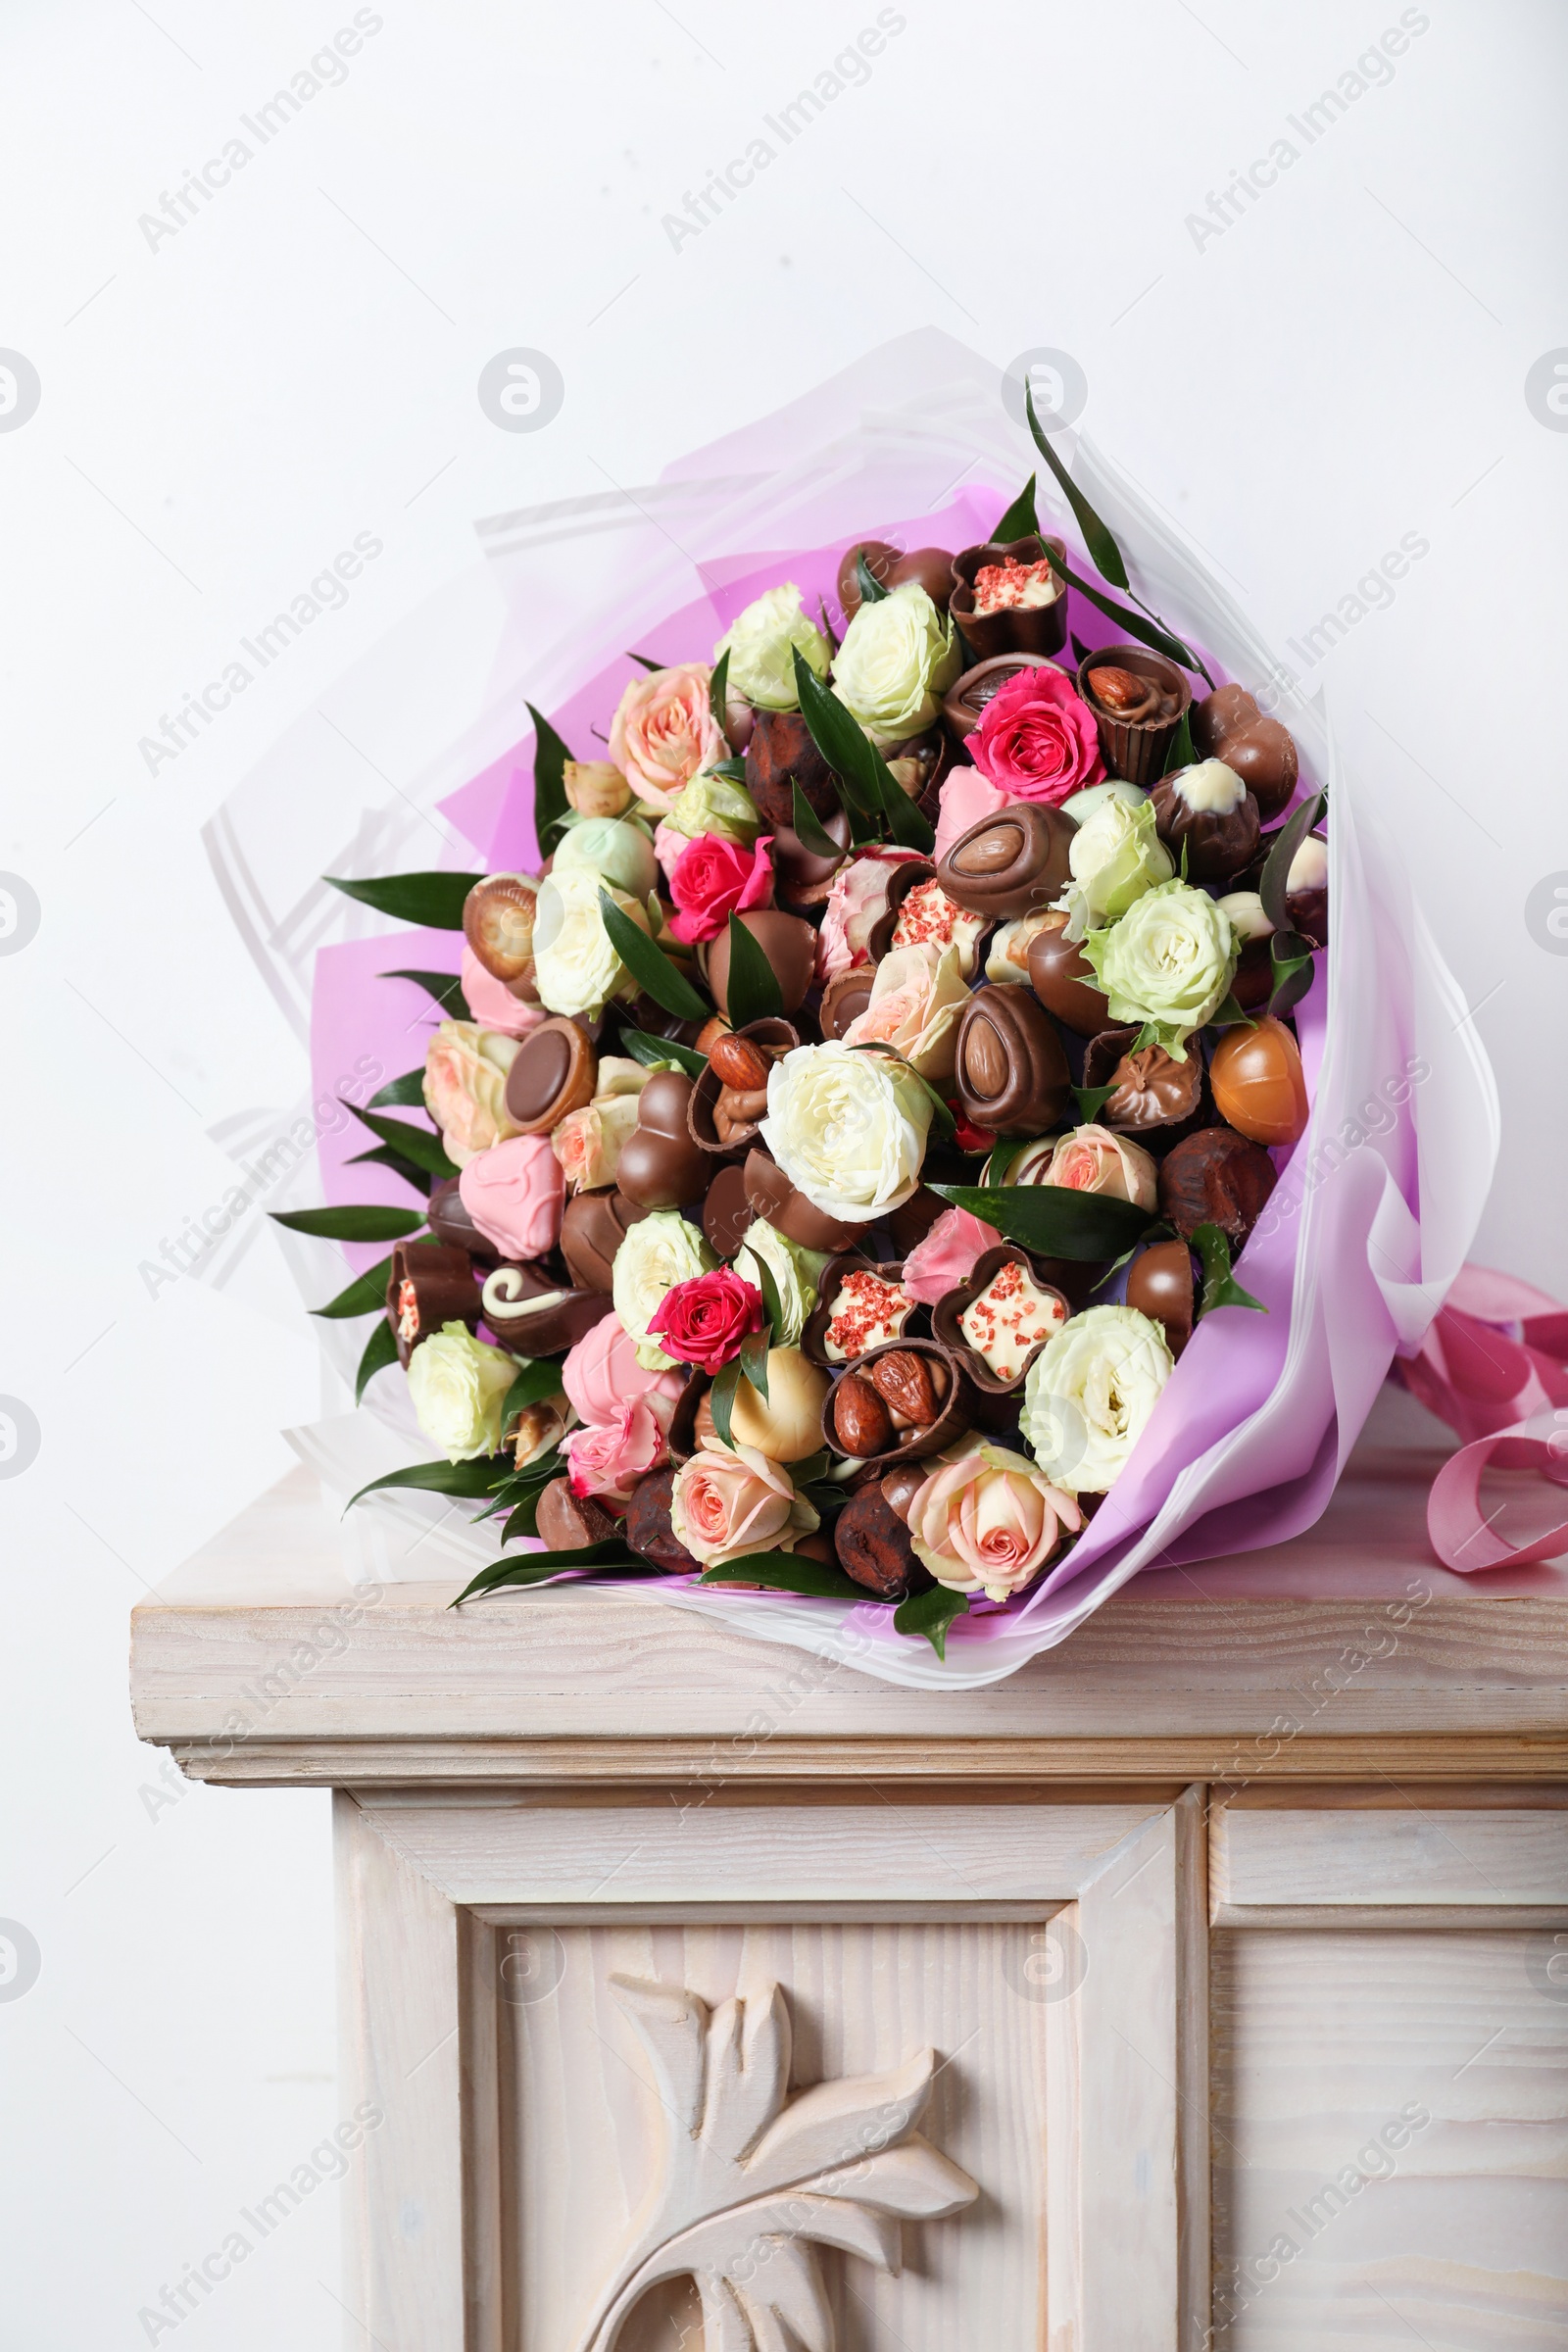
(864, 1417)
(738, 1064)
(1017, 629)
(813, 1338)
(964, 704)
(1138, 706)
(779, 755)
(947, 1316)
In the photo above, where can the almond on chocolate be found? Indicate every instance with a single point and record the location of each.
(909, 1386)
(861, 1422)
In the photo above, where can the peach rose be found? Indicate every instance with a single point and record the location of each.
(465, 1087)
(947, 1256)
(1091, 1159)
(730, 1500)
(916, 998)
(857, 902)
(663, 731)
(987, 1520)
(607, 1458)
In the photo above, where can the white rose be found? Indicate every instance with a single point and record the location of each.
(1170, 960)
(576, 968)
(898, 659)
(849, 1129)
(458, 1386)
(620, 851)
(1088, 1394)
(657, 1253)
(762, 644)
(1113, 857)
(796, 1272)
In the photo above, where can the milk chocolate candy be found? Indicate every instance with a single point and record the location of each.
(1009, 865)
(1159, 1284)
(1228, 725)
(1209, 813)
(919, 765)
(1137, 699)
(451, 1222)
(967, 697)
(726, 1212)
(533, 1315)
(873, 1547)
(552, 1073)
(1011, 1066)
(802, 878)
(772, 1195)
(779, 755)
(845, 998)
(659, 1165)
(431, 1284)
(593, 1227)
(787, 941)
(720, 1115)
(931, 567)
(1151, 1089)
(1008, 628)
(1063, 979)
(498, 925)
(569, 1522)
(1259, 1085)
(1216, 1177)
(648, 1529)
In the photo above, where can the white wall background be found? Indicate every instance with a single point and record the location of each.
(223, 410)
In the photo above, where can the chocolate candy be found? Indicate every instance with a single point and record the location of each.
(909, 1223)
(1010, 1065)
(1228, 725)
(431, 1284)
(1215, 1177)
(726, 1212)
(659, 1165)
(845, 998)
(533, 1315)
(1009, 865)
(498, 925)
(803, 878)
(1159, 1284)
(553, 1073)
(569, 1522)
(729, 1101)
(1020, 1309)
(1259, 1085)
(593, 1226)
(919, 765)
(1209, 812)
(1149, 1088)
(1063, 979)
(781, 755)
(872, 1544)
(787, 941)
(1307, 892)
(932, 567)
(967, 697)
(859, 1305)
(772, 1195)
(648, 1529)
(1137, 699)
(959, 1406)
(1013, 628)
(451, 1222)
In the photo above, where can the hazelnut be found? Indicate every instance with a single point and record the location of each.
(741, 1063)
(913, 1387)
(861, 1423)
(743, 1109)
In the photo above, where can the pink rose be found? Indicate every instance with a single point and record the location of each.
(514, 1194)
(466, 1070)
(987, 1521)
(492, 1003)
(705, 1321)
(1037, 739)
(947, 1256)
(857, 902)
(602, 1373)
(663, 731)
(714, 879)
(965, 797)
(607, 1458)
(671, 846)
(916, 999)
(1091, 1159)
(730, 1500)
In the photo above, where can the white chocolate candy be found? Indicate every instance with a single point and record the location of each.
(1243, 910)
(1010, 1318)
(1210, 786)
(1309, 868)
(867, 1314)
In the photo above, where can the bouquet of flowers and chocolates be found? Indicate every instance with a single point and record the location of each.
(837, 1145)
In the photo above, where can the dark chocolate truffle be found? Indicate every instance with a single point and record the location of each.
(873, 1547)
(1011, 1066)
(781, 755)
(647, 1528)
(1207, 811)
(1216, 1177)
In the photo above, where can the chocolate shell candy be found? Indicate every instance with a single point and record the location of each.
(921, 765)
(901, 881)
(845, 998)
(960, 1404)
(932, 567)
(552, 1073)
(787, 941)
(1150, 1090)
(593, 1226)
(451, 1222)
(873, 1547)
(1011, 864)
(648, 1529)
(1215, 1177)
(498, 925)
(848, 1262)
(1063, 979)
(1159, 1284)
(659, 1165)
(772, 1195)
(569, 1522)
(431, 1284)
(801, 879)
(947, 1316)
(779, 755)
(965, 700)
(1137, 709)
(1228, 725)
(1218, 842)
(533, 1315)
(1010, 1065)
(1036, 629)
(775, 1037)
(726, 1212)
(1259, 1085)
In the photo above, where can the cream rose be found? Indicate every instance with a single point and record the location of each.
(898, 659)
(1091, 1159)
(730, 1500)
(1113, 857)
(576, 970)
(465, 1087)
(619, 850)
(796, 1272)
(713, 805)
(456, 1386)
(657, 1253)
(761, 643)
(663, 731)
(916, 998)
(849, 1129)
(1170, 960)
(1088, 1394)
(988, 1521)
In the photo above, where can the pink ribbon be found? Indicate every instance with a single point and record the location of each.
(1494, 1366)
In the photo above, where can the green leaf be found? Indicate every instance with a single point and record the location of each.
(383, 1157)
(650, 966)
(786, 1572)
(468, 1480)
(1091, 1101)
(534, 1382)
(752, 991)
(535, 1566)
(1081, 651)
(941, 1112)
(931, 1613)
(1003, 1152)
(1103, 552)
(1277, 865)
(651, 1050)
(734, 769)
(445, 987)
(1229, 1015)
(380, 1350)
(772, 1311)
(551, 807)
(1020, 519)
(416, 1143)
(872, 590)
(1181, 753)
(434, 900)
(718, 686)
(869, 784)
(405, 1093)
(1291, 957)
(647, 662)
(1051, 1219)
(813, 1468)
(1221, 1287)
(350, 1224)
(809, 830)
(721, 1399)
(365, 1295)
(754, 1359)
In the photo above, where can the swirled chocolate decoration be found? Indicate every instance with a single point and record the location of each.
(1011, 864)
(1011, 1066)
(1149, 1088)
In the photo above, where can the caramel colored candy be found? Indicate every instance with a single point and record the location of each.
(1063, 979)
(1260, 1087)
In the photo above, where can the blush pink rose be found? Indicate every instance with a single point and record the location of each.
(715, 879)
(663, 731)
(947, 1256)
(514, 1194)
(602, 1373)
(671, 846)
(965, 797)
(987, 1521)
(492, 1003)
(1037, 739)
(857, 902)
(465, 1069)
(607, 1458)
(729, 1501)
(1091, 1159)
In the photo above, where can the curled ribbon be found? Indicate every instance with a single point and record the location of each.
(1494, 1366)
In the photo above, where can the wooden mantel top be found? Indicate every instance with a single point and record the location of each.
(258, 1662)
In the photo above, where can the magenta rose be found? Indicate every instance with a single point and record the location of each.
(1037, 739)
(705, 1321)
(713, 879)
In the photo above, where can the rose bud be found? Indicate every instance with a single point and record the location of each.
(596, 787)
(1208, 810)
